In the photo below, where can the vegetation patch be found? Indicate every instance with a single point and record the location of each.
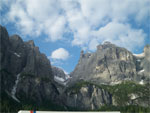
(23, 75)
(9, 105)
(121, 92)
(77, 86)
(126, 109)
(122, 95)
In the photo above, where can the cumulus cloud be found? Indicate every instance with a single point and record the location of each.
(90, 21)
(34, 17)
(121, 34)
(60, 54)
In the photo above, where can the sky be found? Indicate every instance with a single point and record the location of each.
(62, 28)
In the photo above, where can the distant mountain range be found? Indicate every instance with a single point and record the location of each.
(112, 78)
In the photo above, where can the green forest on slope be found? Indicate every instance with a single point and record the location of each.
(121, 93)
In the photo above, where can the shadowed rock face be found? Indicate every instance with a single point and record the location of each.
(31, 78)
(24, 58)
(110, 65)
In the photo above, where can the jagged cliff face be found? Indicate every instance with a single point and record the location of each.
(59, 75)
(110, 65)
(86, 96)
(25, 72)
(27, 76)
(145, 63)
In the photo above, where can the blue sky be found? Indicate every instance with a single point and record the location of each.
(62, 28)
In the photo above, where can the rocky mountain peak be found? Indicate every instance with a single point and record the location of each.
(58, 72)
(104, 45)
(145, 62)
(31, 43)
(147, 51)
(25, 70)
(110, 64)
(16, 38)
(81, 53)
(3, 34)
(16, 41)
(60, 76)
(27, 77)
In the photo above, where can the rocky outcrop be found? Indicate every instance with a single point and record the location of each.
(25, 72)
(109, 65)
(61, 79)
(27, 76)
(86, 96)
(143, 64)
(113, 66)
(59, 73)
(146, 61)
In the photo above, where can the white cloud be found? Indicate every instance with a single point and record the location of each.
(34, 17)
(4, 3)
(90, 21)
(60, 54)
(56, 31)
(121, 34)
(93, 43)
(93, 21)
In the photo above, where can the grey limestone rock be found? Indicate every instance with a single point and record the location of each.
(87, 97)
(109, 64)
(58, 72)
(28, 75)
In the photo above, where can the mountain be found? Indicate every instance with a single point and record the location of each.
(26, 74)
(111, 65)
(112, 78)
(60, 76)
(123, 76)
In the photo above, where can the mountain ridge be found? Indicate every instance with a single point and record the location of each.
(30, 81)
(111, 63)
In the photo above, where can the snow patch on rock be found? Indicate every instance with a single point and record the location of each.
(13, 91)
(141, 71)
(133, 96)
(56, 78)
(67, 76)
(141, 82)
(60, 80)
(17, 54)
(139, 55)
(115, 82)
(138, 60)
